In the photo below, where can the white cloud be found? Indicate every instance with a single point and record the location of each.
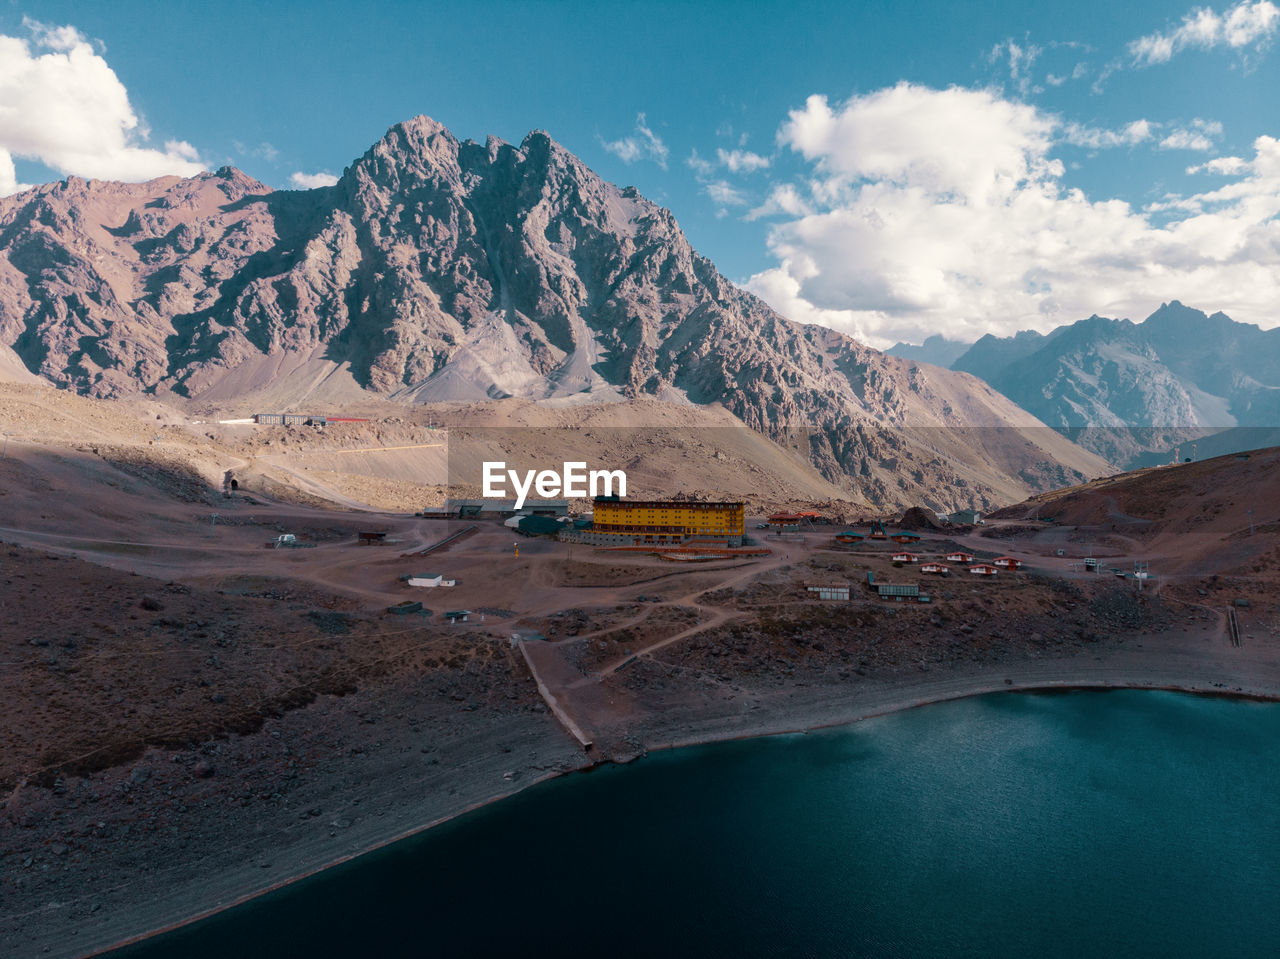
(724, 194)
(9, 176)
(954, 141)
(701, 167)
(1244, 25)
(783, 198)
(1199, 136)
(61, 39)
(735, 161)
(1131, 134)
(720, 190)
(1022, 58)
(309, 181)
(1223, 166)
(643, 144)
(943, 211)
(1186, 140)
(1078, 72)
(62, 105)
(742, 161)
(264, 150)
(182, 150)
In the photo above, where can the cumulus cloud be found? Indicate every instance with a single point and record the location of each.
(1186, 140)
(62, 105)
(943, 211)
(1223, 166)
(1243, 26)
(309, 181)
(643, 144)
(783, 198)
(1198, 136)
(948, 142)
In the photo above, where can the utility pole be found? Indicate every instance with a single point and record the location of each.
(5, 452)
(1250, 512)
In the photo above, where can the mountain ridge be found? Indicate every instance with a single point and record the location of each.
(1129, 390)
(440, 270)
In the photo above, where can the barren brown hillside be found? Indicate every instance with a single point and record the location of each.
(1195, 517)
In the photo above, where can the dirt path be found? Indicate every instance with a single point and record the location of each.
(1221, 615)
(716, 615)
(313, 486)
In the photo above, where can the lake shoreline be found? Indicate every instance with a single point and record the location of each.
(830, 709)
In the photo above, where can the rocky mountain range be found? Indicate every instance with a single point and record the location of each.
(444, 270)
(1133, 391)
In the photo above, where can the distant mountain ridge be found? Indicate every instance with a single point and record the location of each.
(446, 270)
(1125, 389)
(936, 349)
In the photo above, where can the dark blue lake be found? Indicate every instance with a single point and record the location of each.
(1079, 824)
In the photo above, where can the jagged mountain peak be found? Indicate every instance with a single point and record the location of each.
(411, 142)
(1175, 313)
(441, 269)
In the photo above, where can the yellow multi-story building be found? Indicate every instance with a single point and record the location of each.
(669, 521)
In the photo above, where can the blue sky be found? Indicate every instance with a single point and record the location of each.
(889, 169)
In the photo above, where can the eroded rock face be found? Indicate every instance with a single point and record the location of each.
(443, 269)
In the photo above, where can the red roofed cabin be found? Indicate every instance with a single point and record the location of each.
(905, 557)
(940, 568)
(786, 519)
(906, 539)
(959, 557)
(1007, 562)
(982, 569)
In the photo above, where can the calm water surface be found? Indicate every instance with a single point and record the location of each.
(1081, 824)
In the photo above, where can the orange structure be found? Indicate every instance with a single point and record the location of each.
(669, 521)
